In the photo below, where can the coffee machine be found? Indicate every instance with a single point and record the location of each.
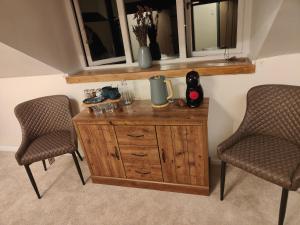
(194, 91)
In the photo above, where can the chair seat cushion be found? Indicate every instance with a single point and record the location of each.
(48, 146)
(271, 158)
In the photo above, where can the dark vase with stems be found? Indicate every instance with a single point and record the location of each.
(154, 46)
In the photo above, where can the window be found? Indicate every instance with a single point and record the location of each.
(100, 31)
(186, 28)
(165, 16)
(212, 25)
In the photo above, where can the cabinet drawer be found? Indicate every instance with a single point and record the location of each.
(136, 135)
(141, 162)
(140, 155)
(152, 173)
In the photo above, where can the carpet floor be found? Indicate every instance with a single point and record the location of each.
(248, 200)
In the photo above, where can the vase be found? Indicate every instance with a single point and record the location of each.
(155, 50)
(144, 57)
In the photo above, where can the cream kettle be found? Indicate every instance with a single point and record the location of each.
(161, 91)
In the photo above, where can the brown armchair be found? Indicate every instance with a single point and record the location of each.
(47, 132)
(267, 143)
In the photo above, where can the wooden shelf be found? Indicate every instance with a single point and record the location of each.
(204, 68)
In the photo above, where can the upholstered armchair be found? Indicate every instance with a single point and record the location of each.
(267, 143)
(47, 132)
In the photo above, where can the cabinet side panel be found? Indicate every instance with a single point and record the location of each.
(166, 151)
(181, 155)
(205, 154)
(114, 156)
(80, 134)
(196, 148)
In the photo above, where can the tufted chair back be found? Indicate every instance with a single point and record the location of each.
(273, 110)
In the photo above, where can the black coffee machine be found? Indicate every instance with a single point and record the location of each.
(194, 91)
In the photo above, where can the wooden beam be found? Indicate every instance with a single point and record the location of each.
(205, 68)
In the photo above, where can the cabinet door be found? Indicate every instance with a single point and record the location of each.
(102, 151)
(183, 151)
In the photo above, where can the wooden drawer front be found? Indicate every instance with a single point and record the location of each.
(152, 173)
(141, 162)
(136, 135)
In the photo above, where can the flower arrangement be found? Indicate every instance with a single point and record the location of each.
(143, 22)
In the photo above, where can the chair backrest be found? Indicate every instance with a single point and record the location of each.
(274, 110)
(44, 115)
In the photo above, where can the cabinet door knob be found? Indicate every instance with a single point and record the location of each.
(163, 155)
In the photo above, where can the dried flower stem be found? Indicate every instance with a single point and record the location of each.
(142, 17)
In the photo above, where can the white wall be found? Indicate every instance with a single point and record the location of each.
(227, 95)
(40, 29)
(29, 66)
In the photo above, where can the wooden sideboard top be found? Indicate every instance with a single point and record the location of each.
(142, 113)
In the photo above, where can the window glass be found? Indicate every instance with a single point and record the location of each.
(163, 44)
(214, 24)
(102, 28)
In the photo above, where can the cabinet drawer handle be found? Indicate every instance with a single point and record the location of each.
(135, 136)
(143, 173)
(117, 153)
(139, 155)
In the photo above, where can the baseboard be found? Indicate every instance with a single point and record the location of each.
(8, 148)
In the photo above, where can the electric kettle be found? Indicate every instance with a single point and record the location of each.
(161, 91)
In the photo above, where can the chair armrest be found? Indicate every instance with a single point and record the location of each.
(22, 149)
(296, 179)
(233, 139)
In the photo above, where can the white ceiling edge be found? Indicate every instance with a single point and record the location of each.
(264, 13)
(283, 38)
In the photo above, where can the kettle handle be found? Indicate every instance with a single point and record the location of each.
(170, 89)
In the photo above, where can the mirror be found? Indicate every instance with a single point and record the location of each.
(214, 24)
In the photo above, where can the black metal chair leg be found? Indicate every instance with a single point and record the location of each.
(44, 164)
(78, 153)
(223, 173)
(78, 167)
(283, 203)
(32, 181)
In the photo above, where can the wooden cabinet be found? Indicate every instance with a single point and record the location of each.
(138, 146)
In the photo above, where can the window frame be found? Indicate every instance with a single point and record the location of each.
(90, 61)
(240, 36)
(185, 55)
